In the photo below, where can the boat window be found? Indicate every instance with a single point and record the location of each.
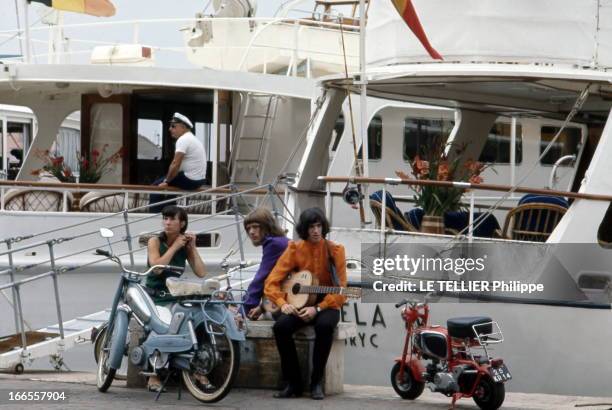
(203, 132)
(68, 140)
(150, 139)
(497, 147)
(18, 138)
(337, 132)
(420, 133)
(375, 135)
(568, 143)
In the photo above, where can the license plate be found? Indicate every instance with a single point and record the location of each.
(500, 374)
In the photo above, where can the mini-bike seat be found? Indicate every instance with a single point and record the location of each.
(461, 327)
(186, 287)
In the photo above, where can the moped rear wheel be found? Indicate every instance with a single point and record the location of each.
(104, 375)
(488, 394)
(406, 387)
(211, 385)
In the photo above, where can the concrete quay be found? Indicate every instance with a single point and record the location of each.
(81, 393)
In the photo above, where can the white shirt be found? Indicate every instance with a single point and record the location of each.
(194, 161)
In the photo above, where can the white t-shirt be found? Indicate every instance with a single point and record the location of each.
(194, 161)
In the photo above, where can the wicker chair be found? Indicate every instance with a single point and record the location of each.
(393, 219)
(532, 222)
(102, 202)
(36, 200)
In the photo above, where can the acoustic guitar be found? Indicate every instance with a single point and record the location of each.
(302, 289)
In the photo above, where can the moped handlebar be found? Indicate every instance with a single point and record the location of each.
(402, 303)
(414, 303)
(103, 253)
(116, 259)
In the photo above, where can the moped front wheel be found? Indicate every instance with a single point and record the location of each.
(407, 387)
(104, 374)
(213, 370)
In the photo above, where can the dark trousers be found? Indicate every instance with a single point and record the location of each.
(286, 325)
(179, 181)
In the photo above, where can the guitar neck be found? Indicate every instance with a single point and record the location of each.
(320, 290)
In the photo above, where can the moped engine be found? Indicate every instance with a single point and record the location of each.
(444, 383)
(137, 356)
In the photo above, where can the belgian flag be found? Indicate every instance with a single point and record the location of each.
(99, 8)
(408, 13)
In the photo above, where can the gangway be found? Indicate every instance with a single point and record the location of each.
(48, 342)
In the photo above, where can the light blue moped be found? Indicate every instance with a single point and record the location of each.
(199, 339)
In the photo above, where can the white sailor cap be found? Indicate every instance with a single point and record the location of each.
(178, 117)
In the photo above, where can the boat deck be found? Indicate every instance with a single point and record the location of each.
(80, 392)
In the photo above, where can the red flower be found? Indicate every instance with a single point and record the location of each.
(95, 153)
(57, 161)
(476, 179)
(420, 168)
(474, 167)
(84, 163)
(443, 171)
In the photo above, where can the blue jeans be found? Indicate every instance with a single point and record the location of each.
(179, 181)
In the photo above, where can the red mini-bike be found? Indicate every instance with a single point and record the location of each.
(453, 361)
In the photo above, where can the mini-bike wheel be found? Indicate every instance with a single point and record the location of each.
(488, 394)
(216, 383)
(406, 387)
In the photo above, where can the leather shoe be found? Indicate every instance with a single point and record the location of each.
(316, 392)
(288, 392)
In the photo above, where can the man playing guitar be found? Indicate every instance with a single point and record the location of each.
(317, 255)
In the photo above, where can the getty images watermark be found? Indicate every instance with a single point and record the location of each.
(409, 265)
(489, 271)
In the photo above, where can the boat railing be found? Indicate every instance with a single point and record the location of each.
(77, 47)
(62, 235)
(470, 188)
(66, 189)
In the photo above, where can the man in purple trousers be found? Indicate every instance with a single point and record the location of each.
(264, 231)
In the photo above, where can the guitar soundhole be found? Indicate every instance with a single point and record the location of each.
(295, 289)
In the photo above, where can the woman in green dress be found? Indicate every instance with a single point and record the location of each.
(174, 246)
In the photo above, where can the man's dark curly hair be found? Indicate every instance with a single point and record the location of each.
(309, 217)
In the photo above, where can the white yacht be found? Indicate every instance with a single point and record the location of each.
(507, 95)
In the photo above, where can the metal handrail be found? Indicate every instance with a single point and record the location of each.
(55, 271)
(466, 186)
(258, 190)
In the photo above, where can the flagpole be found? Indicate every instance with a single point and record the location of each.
(27, 31)
(363, 103)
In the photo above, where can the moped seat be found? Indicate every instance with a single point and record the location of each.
(461, 327)
(187, 287)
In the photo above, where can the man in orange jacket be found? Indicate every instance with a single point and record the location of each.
(317, 255)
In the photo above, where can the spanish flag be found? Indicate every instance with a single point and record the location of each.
(98, 8)
(408, 13)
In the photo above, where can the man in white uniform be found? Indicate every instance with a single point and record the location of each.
(188, 168)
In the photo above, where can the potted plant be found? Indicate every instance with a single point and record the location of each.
(435, 165)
